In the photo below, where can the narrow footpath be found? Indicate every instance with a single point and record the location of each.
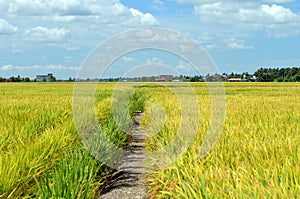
(128, 181)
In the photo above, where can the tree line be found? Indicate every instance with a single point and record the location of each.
(27, 79)
(261, 75)
(278, 74)
(15, 79)
(291, 74)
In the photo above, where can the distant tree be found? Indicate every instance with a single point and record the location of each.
(235, 75)
(71, 80)
(186, 78)
(276, 74)
(213, 78)
(278, 79)
(296, 78)
(1, 79)
(197, 78)
(147, 79)
(52, 78)
(246, 75)
(26, 79)
(12, 79)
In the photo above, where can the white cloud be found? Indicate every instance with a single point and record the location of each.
(43, 34)
(222, 41)
(7, 28)
(158, 2)
(128, 59)
(197, 2)
(39, 8)
(144, 19)
(278, 1)
(31, 71)
(15, 48)
(158, 5)
(72, 48)
(6, 68)
(238, 44)
(184, 67)
(154, 60)
(278, 14)
(271, 18)
(37, 67)
(102, 11)
(207, 40)
(68, 59)
(64, 19)
(69, 24)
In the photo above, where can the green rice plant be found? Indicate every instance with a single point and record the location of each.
(41, 154)
(34, 130)
(73, 177)
(257, 155)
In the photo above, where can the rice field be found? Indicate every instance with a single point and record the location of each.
(256, 156)
(41, 155)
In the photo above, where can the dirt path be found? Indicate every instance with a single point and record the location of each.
(128, 181)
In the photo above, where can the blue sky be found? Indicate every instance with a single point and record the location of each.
(41, 36)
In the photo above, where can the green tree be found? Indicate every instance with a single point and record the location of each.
(296, 78)
(12, 79)
(52, 78)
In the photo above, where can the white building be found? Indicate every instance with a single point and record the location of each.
(45, 78)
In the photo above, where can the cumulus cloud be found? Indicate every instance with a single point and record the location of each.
(158, 5)
(37, 67)
(43, 34)
(6, 68)
(154, 60)
(184, 67)
(237, 44)
(128, 59)
(144, 19)
(268, 17)
(39, 8)
(197, 2)
(7, 28)
(278, 1)
(222, 41)
(73, 10)
(33, 70)
(278, 14)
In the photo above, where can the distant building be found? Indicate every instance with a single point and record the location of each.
(176, 80)
(167, 77)
(45, 78)
(164, 78)
(160, 79)
(253, 79)
(235, 80)
(224, 78)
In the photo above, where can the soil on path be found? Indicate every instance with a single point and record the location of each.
(128, 181)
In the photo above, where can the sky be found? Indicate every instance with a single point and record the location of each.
(57, 36)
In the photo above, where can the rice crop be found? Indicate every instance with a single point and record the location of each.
(41, 154)
(256, 156)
